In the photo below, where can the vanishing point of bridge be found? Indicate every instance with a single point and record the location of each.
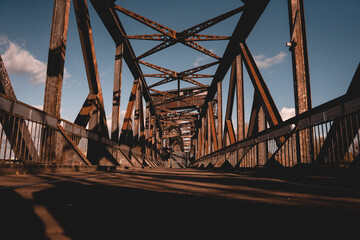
(270, 164)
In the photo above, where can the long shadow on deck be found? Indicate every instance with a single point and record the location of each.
(134, 204)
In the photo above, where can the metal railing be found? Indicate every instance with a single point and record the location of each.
(325, 136)
(30, 136)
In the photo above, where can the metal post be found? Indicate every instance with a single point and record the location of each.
(116, 93)
(240, 103)
(219, 113)
(147, 129)
(261, 149)
(54, 77)
(208, 131)
(302, 93)
(56, 58)
(136, 117)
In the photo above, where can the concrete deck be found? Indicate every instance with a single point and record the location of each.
(180, 203)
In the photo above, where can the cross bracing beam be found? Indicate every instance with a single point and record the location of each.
(163, 37)
(171, 37)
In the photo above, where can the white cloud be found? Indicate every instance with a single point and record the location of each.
(18, 60)
(263, 62)
(287, 113)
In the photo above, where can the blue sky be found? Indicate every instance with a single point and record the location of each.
(333, 34)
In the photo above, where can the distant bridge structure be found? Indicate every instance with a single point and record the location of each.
(180, 127)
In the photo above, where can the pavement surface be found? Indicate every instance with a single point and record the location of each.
(180, 203)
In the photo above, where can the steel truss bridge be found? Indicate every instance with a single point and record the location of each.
(296, 179)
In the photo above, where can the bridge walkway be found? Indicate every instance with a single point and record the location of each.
(173, 203)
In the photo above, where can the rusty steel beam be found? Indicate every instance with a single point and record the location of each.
(152, 24)
(196, 69)
(213, 130)
(203, 130)
(147, 131)
(195, 75)
(153, 37)
(115, 117)
(192, 81)
(204, 37)
(136, 128)
(87, 46)
(160, 69)
(174, 37)
(158, 75)
(231, 131)
(173, 76)
(56, 58)
(262, 147)
(209, 23)
(128, 114)
(55, 71)
(240, 99)
(301, 75)
(163, 37)
(219, 113)
(164, 81)
(208, 132)
(253, 126)
(259, 84)
(165, 44)
(299, 56)
(252, 11)
(97, 121)
(230, 98)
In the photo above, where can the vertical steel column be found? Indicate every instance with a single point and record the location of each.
(240, 99)
(219, 113)
(158, 142)
(115, 118)
(154, 138)
(56, 58)
(151, 137)
(54, 78)
(240, 104)
(261, 148)
(208, 131)
(136, 117)
(142, 125)
(199, 142)
(203, 129)
(301, 75)
(147, 129)
(212, 125)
